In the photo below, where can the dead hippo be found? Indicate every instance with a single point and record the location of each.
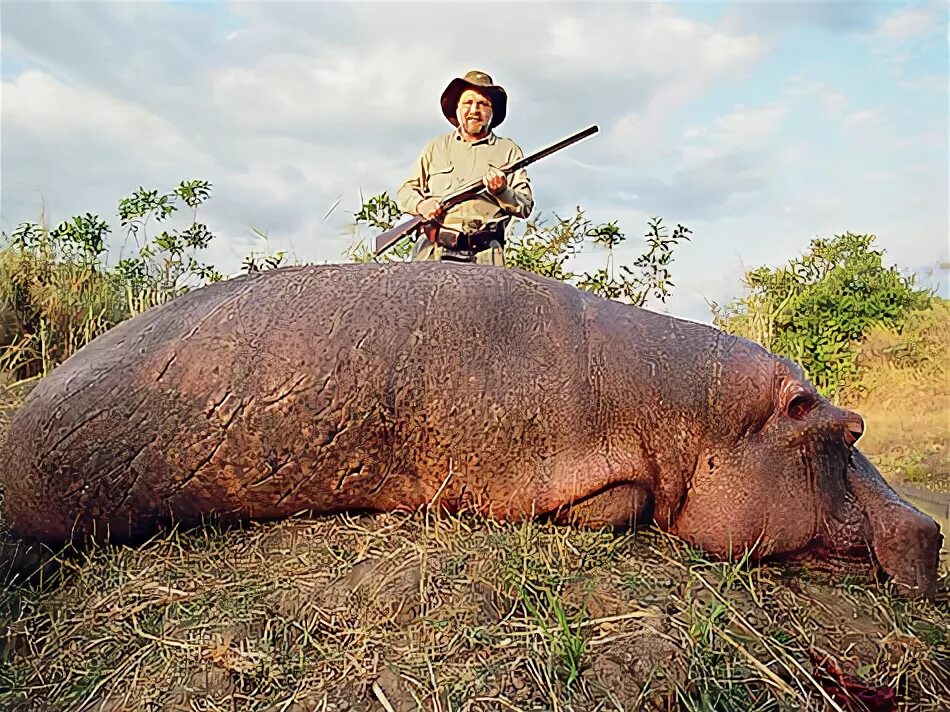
(371, 388)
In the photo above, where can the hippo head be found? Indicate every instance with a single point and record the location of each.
(779, 473)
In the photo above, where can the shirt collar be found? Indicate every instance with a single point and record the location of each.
(489, 139)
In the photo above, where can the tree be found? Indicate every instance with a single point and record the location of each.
(380, 213)
(164, 266)
(815, 309)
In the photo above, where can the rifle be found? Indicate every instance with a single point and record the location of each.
(389, 238)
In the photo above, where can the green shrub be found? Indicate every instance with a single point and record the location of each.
(547, 249)
(54, 295)
(817, 308)
(58, 293)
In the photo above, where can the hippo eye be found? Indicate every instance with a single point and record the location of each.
(800, 406)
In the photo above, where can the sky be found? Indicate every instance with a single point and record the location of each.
(758, 125)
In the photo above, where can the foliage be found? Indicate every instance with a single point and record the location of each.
(548, 249)
(260, 260)
(58, 292)
(652, 274)
(51, 307)
(816, 308)
(379, 212)
(164, 267)
(921, 347)
(902, 390)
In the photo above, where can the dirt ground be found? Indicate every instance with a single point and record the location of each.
(399, 613)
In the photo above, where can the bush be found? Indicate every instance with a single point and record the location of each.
(547, 250)
(817, 308)
(921, 348)
(51, 307)
(57, 291)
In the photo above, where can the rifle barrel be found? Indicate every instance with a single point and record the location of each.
(476, 185)
(389, 238)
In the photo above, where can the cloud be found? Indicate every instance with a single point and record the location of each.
(717, 164)
(907, 23)
(782, 15)
(865, 116)
(290, 109)
(833, 102)
(333, 86)
(749, 123)
(904, 33)
(38, 104)
(62, 146)
(686, 56)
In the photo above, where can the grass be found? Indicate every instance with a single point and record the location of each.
(450, 614)
(904, 397)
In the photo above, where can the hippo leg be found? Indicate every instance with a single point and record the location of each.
(621, 506)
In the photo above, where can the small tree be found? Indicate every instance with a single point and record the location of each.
(58, 292)
(165, 266)
(817, 307)
(379, 212)
(547, 250)
(651, 274)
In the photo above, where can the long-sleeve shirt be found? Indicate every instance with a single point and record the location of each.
(448, 162)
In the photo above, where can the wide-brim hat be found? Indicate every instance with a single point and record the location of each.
(483, 83)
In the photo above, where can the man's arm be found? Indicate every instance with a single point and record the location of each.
(517, 198)
(415, 188)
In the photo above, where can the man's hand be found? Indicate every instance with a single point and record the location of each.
(429, 209)
(495, 180)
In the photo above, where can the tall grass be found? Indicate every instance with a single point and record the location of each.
(903, 393)
(51, 307)
(57, 294)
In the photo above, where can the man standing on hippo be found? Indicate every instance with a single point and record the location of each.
(472, 231)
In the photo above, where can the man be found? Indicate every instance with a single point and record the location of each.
(475, 230)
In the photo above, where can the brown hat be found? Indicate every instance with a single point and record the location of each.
(483, 83)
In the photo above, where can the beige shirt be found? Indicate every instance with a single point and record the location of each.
(449, 162)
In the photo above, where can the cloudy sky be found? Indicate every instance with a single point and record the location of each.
(759, 125)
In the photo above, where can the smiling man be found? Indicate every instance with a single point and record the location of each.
(473, 231)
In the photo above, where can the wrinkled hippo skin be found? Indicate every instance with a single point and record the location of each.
(378, 388)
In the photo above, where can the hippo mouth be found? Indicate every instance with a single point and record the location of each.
(902, 543)
(873, 533)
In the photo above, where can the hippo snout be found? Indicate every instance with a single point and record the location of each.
(907, 546)
(906, 542)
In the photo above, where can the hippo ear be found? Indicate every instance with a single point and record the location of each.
(906, 542)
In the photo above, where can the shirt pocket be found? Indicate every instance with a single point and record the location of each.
(441, 180)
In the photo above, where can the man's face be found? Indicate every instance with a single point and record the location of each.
(474, 112)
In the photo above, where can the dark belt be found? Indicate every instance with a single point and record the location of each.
(468, 244)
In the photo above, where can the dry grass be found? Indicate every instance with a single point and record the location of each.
(905, 399)
(450, 614)
(50, 309)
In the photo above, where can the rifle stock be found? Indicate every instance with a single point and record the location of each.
(393, 235)
(389, 238)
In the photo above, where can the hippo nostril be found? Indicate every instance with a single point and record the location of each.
(853, 428)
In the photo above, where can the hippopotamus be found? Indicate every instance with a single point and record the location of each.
(457, 388)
